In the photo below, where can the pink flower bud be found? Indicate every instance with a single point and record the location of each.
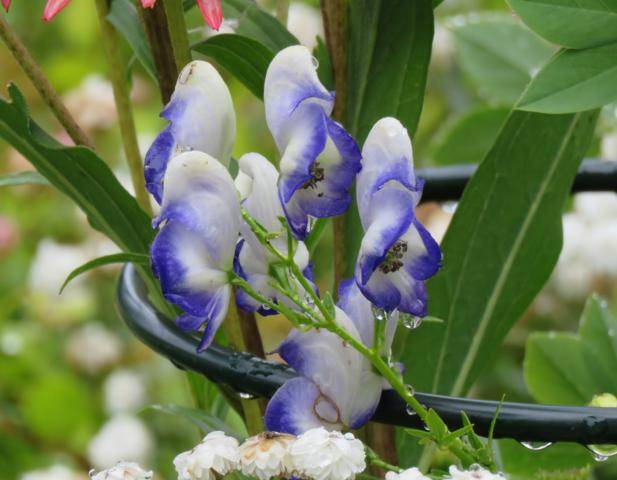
(212, 12)
(148, 3)
(6, 4)
(53, 7)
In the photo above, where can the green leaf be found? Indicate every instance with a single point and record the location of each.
(124, 17)
(138, 258)
(469, 138)
(81, 175)
(574, 81)
(570, 23)
(500, 249)
(22, 178)
(244, 58)
(257, 24)
(324, 64)
(389, 53)
(498, 56)
(203, 420)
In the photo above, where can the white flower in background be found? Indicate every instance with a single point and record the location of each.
(92, 103)
(123, 471)
(409, 474)
(438, 223)
(321, 455)
(92, 348)
(443, 47)
(474, 473)
(124, 391)
(267, 455)
(123, 437)
(215, 456)
(595, 207)
(55, 472)
(305, 23)
(602, 249)
(609, 146)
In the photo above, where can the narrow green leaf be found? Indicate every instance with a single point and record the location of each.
(245, 58)
(498, 56)
(22, 178)
(570, 23)
(138, 258)
(81, 175)
(389, 53)
(203, 420)
(324, 64)
(574, 81)
(257, 24)
(123, 15)
(500, 249)
(469, 138)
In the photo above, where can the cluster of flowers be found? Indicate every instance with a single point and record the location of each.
(315, 455)
(210, 9)
(206, 240)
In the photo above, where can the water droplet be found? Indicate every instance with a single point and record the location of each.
(410, 389)
(410, 411)
(536, 446)
(411, 322)
(315, 62)
(246, 396)
(602, 453)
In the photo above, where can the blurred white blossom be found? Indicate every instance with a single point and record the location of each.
(93, 348)
(409, 474)
(321, 455)
(123, 437)
(55, 472)
(215, 456)
(267, 455)
(306, 23)
(124, 391)
(609, 146)
(123, 471)
(476, 473)
(92, 104)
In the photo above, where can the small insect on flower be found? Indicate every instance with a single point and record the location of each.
(321, 455)
(123, 471)
(409, 474)
(475, 472)
(216, 455)
(267, 455)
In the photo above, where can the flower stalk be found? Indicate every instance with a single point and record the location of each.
(121, 89)
(177, 32)
(42, 85)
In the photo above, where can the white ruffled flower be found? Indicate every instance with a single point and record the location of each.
(321, 455)
(124, 391)
(267, 455)
(216, 454)
(93, 348)
(123, 471)
(55, 472)
(409, 474)
(474, 473)
(122, 437)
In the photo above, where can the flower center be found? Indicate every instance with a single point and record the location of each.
(393, 261)
(317, 175)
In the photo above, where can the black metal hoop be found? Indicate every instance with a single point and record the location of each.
(252, 375)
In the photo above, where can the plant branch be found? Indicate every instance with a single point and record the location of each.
(117, 68)
(177, 33)
(42, 85)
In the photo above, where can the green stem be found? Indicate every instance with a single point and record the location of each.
(376, 461)
(177, 32)
(42, 85)
(117, 69)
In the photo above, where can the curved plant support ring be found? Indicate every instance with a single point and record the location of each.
(247, 374)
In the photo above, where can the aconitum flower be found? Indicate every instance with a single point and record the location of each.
(321, 455)
(397, 253)
(123, 471)
(256, 182)
(201, 117)
(216, 456)
(319, 159)
(337, 387)
(194, 248)
(474, 473)
(409, 474)
(267, 455)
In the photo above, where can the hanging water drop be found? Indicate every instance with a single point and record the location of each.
(536, 446)
(410, 389)
(411, 322)
(315, 62)
(380, 314)
(246, 396)
(602, 453)
(410, 411)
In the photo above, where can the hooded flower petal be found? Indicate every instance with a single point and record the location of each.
(194, 249)
(397, 253)
(212, 12)
(201, 117)
(319, 160)
(52, 8)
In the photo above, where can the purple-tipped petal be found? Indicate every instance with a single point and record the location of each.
(156, 161)
(292, 409)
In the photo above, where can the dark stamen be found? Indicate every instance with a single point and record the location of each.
(393, 261)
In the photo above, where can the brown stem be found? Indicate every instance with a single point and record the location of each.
(159, 39)
(42, 85)
(382, 440)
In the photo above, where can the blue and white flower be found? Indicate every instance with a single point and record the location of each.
(337, 387)
(319, 159)
(257, 183)
(397, 254)
(194, 249)
(201, 117)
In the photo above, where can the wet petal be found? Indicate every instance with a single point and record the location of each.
(52, 8)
